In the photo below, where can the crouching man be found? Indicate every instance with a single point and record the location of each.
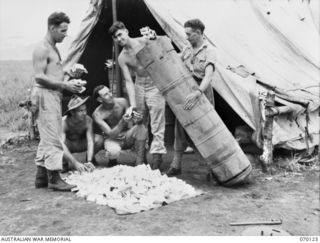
(77, 135)
(115, 119)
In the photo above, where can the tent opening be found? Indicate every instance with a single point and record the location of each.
(229, 117)
(99, 48)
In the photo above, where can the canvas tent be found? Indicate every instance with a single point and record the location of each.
(259, 44)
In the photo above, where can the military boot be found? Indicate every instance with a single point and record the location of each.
(41, 177)
(156, 161)
(140, 147)
(112, 162)
(65, 167)
(175, 166)
(56, 183)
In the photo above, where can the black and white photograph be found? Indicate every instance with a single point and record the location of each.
(159, 118)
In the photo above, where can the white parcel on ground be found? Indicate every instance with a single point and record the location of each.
(130, 189)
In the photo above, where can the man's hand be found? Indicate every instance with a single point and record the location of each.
(80, 167)
(137, 117)
(127, 117)
(74, 85)
(191, 100)
(90, 167)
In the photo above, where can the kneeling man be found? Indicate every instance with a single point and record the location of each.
(121, 127)
(78, 135)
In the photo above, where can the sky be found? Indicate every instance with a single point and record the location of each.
(23, 23)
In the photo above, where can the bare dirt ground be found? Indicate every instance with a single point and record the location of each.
(291, 196)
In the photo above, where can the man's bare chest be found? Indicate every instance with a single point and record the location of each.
(54, 65)
(132, 61)
(76, 130)
(113, 117)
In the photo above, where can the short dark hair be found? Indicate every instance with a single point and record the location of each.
(195, 24)
(118, 25)
(57, 18)
(96, 91)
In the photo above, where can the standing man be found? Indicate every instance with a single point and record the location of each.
(46, 101)
(200, 59)
(114, 119)
(143, 95)
(77, 134)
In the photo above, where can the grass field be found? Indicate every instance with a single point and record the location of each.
(15, 81)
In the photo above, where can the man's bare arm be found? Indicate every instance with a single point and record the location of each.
(64, 129)
(105, 128)
(129, 82)
(193, 97)
(66, 152)
(206, 81)
(90, 140)
(40, 57)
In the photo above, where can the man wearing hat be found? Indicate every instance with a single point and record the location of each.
(77, 134)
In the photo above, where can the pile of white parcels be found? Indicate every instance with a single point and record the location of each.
(130, 189)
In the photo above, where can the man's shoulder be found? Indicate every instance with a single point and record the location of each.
(120, 98)
(97, 111)
(98, 108)
(41, 48)
(101, 112)
(121, 54)
(207, 52)
(123, 57)
(141, 40)
(64, 121)
(122, 101)
(209, 47)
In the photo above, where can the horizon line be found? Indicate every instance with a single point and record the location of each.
(15, 59)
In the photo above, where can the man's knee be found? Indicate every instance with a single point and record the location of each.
(157, 109)
(114, 153)
(112, 149)
(98, 142)
(140, 132)
(157, 118)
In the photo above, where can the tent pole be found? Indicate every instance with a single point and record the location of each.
(266, 100)
(116, 50)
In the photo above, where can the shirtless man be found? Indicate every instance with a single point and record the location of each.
(143, 95)
(113, 118)
(77, 134)
(46, 101)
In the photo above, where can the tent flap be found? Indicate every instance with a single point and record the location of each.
(276, 40)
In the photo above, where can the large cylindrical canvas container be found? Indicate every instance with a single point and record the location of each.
(212, 138)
